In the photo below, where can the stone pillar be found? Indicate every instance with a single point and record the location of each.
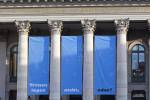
(55, 30)
(149, 68)
(88, 66)
(149, 56)
(98, 97)
(66, 97)
(2, 70)
(122, 79)
(34, 97)
(22, 69)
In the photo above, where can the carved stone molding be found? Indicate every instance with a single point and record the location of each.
(23, 26)
(55, 25)
(66, 3)
(88, 25)
(122, 25)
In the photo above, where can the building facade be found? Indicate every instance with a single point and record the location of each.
(127, 19)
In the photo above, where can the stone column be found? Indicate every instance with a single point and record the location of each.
(34, 97)
(88, 66)
(2, 70)
(122, 79)
(149, 68)
(149, 55)
(22, 69)
(55, 30)
(66, 97)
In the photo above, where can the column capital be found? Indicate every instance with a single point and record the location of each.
(122, 25)
(55, 25)
(88, 25)
(23, 26)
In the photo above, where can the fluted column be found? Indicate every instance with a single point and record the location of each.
(55, 30)
(122, 80)
(88, 31)
(22, 69)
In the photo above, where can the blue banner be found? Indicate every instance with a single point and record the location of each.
(71, 65)
(105, 65)
(38, 70)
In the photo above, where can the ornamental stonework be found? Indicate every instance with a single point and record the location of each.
(56, 25)
(23, 26)
(122, 25)
(88, 25)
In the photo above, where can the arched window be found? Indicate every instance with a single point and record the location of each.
(13, 64)
(138, 63)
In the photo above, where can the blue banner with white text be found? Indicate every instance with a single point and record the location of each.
(38, 69)
(105, 65)
(71, 65)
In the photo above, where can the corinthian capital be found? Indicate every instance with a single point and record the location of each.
(88, 25)
(122, 24)
(23, 26)
(55, 25)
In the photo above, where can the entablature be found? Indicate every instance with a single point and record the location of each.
(71, 3)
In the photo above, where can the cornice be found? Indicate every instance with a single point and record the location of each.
(76, 4)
